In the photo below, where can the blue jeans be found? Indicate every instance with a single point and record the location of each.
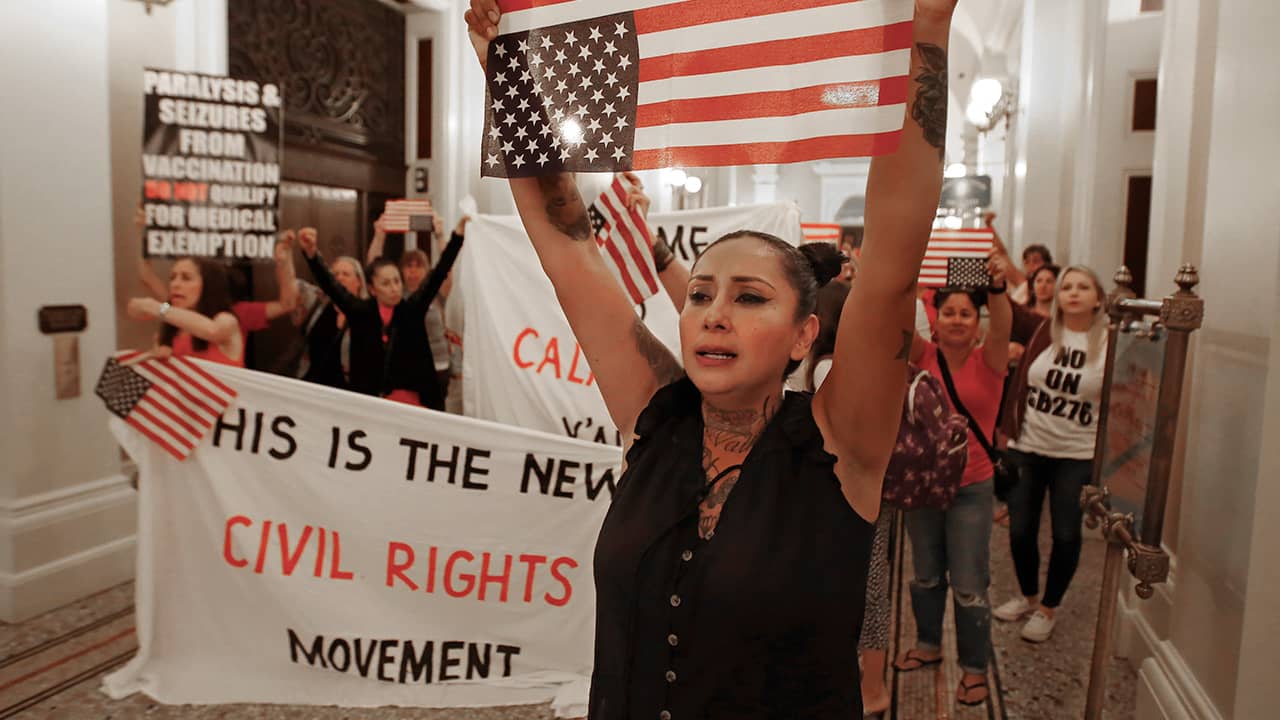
(1063, 480)
(953, 546)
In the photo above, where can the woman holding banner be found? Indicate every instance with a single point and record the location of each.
(731, 568)
(390, 353)
(251, 314)
(197, 319)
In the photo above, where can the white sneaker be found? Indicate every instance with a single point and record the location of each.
(1038, 628)
(1012, 611)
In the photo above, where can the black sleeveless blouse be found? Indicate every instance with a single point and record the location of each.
(760, 621)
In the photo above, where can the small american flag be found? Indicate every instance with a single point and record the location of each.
(957, 258)
(173, 402)
(821, 232)
(608, 85)
(624, 238)
(407, 215)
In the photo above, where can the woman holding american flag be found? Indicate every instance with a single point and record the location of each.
(731, 568)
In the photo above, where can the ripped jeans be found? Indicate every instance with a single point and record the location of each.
(953, 546)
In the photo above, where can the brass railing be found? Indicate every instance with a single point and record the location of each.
(1176, 316)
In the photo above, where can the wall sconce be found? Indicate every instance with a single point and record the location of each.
(990, 101)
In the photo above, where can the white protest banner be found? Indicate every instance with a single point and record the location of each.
(523, 365)
(211, 153)
(689, 232)
(327, 548)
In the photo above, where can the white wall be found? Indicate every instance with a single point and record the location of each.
(1132, 51)
(1209, 638)
(187, 35)
(66, 514)
(1051, 107)
(1241, 250)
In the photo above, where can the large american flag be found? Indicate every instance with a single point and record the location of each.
(957, 258)
(173, 402)
(625, 240)
(608, 85)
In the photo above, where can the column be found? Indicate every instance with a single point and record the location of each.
(67, 514)
(1051, 101)
(765, 178)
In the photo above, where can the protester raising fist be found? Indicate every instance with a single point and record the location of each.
(390, 354)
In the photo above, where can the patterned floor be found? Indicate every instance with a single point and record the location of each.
(52, 666)
(1028, 681)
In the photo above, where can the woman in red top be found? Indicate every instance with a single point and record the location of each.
(953, 545)
(197, 319)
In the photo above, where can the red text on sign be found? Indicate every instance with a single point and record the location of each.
(317, 545)
(488, 577)
(525, 353)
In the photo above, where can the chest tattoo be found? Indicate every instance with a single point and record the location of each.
(728, 437)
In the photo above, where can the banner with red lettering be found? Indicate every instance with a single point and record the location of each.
(321, 547)
(523, 365)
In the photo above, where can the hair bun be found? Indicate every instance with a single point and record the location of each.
(825, 259)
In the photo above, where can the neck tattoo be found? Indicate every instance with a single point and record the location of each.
(727, 437)
(735, 431)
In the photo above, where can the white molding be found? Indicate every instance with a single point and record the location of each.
(32, 592)
(13, 580)
(21, 513)
(1168, 682)
(94, 524)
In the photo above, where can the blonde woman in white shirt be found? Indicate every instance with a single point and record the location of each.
(1050, 415)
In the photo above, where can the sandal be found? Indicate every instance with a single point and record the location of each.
(967, 687)
(914, 656)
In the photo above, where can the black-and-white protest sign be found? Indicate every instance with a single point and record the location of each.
(211, 151)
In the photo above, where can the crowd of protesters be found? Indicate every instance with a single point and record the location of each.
(1023, 356)
(376, 328)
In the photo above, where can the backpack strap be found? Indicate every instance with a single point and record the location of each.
(911, 394)
(959, 406)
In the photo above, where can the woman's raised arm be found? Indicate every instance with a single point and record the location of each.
(859, 405)
(307, 243)
(995, 349)
(628, 362)
(286, 278)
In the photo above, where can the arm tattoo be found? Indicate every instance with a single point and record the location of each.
(905, 352)
(661, 362)
(565, 209)
(930, 107)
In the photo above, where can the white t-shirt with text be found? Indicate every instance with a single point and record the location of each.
(1064, 392)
